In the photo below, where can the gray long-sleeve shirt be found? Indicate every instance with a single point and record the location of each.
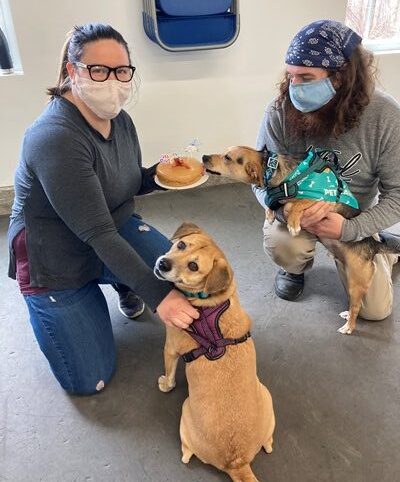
(372, 149)
(73, 190)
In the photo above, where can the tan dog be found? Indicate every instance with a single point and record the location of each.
(228, 416)
(247, 165)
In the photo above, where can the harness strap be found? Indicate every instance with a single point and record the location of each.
(211, 347)
(333, 163)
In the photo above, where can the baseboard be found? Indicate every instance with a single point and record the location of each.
(7, 192)
(6, 200)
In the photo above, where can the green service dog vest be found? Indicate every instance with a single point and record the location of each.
(315, 178)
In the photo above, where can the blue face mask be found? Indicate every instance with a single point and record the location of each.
(311, 96)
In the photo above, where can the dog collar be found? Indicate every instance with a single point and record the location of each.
(206, 332)
(201, 294)
(270, 164)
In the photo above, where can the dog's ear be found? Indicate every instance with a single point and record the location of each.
(185, 229)
(254, 172)
(219, 278)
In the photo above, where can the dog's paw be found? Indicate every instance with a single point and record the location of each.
(293, 230)
(164, 385)
(268, 448)
(270, 215)
(345, 315)
(345, 329)
(186, 455)
(185, 459)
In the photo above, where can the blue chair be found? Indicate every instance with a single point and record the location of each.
(182, 25)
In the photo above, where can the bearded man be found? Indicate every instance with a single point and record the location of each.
(328, 100)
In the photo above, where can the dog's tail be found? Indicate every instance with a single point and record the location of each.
(242, 474)
(389, 242)
(369, 247)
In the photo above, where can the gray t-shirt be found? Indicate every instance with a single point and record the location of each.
(73, 190)
(372, 153)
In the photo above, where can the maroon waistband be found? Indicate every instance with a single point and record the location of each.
(22, 266)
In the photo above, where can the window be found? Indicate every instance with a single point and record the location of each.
(10, 62)
(377, 21)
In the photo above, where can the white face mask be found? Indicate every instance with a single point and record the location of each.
(105, 99)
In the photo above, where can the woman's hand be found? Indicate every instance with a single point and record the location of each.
(175, 310)
(330, 226)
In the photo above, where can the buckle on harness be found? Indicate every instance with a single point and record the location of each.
(285, 189)
(188, 357)
(273, 161)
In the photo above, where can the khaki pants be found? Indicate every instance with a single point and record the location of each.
(296, 255)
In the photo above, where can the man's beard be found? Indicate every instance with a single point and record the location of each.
(310, 125)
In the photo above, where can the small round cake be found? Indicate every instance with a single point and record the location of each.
(180, 171)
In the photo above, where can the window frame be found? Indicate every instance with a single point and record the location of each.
(7, 27)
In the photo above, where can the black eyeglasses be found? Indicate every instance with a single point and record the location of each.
(100, 73)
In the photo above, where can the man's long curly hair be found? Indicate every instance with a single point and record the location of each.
(356, 80)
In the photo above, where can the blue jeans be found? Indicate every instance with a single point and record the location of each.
(73, 327)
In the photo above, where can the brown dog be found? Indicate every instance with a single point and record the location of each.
(247, 165)
(228, 416)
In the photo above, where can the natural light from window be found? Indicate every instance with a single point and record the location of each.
(377, 21)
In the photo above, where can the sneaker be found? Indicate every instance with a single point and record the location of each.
(130, 305)
(288, 286)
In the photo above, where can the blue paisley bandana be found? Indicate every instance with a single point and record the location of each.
(325, 44)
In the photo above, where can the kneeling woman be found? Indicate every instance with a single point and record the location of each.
(73, 224)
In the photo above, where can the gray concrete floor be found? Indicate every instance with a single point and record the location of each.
(336, 397)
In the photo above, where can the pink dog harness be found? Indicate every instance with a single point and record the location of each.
(205, 330)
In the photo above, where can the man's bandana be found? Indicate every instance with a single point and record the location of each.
(325, 44)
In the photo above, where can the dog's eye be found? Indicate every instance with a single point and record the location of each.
(193, 266)
(239, 160)
(181, 245)
(227, 158)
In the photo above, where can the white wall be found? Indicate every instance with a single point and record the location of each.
(217, 96)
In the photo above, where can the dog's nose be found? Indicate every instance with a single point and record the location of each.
(164, 265)
(206, 158)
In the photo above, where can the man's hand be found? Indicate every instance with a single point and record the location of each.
(315, 214)
(175, 310)
(329, 227)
